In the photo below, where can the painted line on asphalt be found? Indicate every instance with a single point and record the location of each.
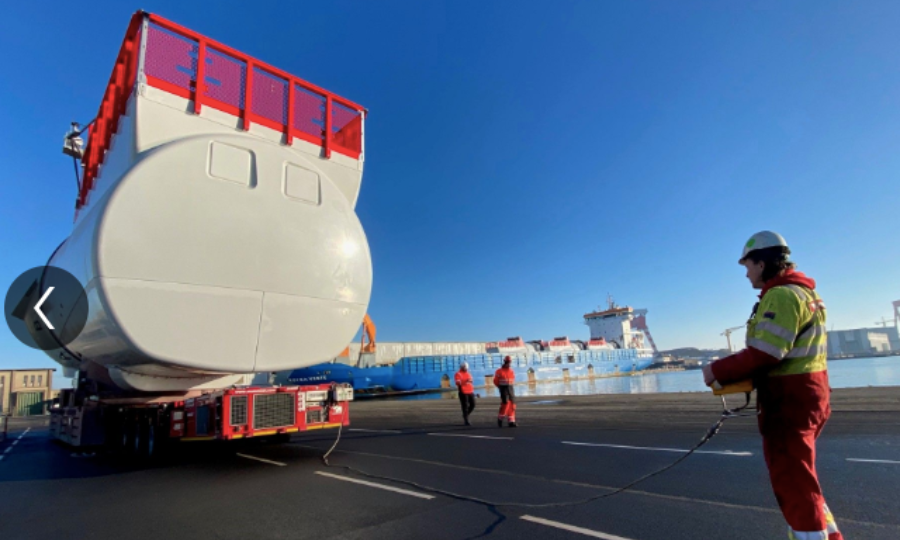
(892, 462)
(374, 485)
(471, 436)
(572, 528)
(14, 443)
(376, 430)
(549, 480)
(270, 462)
(678, 450)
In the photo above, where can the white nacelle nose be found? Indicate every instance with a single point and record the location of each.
(224, 254)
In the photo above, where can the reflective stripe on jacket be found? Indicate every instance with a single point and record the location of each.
(789, 325)
(504, 377)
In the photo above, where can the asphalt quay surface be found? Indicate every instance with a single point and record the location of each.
(427, 476)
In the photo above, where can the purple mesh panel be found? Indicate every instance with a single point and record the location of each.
(343, 117)
(170, 57)
(270, 95)
(309, 112)
(226, 78)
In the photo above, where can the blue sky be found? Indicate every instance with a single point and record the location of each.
(525, 159)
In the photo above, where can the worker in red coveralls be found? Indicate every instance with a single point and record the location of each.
(466, 391)
(786, 358)
(504, 378)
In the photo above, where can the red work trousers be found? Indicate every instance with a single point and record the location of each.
(790, 428)
(507, 403)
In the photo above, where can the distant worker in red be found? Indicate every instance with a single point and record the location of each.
(504, 378)
(466, 391)
(786, 359)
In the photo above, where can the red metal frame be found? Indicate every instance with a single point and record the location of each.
(183, 419)
(112, 106)
(123, 78)
(201, 70)
(300, 424)
(248, 96)
(246, 113)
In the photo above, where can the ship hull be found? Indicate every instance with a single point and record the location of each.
(437, 372)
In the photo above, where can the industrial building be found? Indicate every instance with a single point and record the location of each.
(863, 341)
(25, 392)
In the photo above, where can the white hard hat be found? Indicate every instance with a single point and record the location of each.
(464, 365)
(762, 240)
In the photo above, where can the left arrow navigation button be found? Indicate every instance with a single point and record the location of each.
(46, 308)
(37, 308)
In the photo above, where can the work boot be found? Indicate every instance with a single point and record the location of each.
(499, 422)
(467, 422)
(513, 424)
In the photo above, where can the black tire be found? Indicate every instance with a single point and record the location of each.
(126, 437)
(150, 447)
(281, 438)
(137, 440)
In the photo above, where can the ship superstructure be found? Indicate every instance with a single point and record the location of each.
(623, 326)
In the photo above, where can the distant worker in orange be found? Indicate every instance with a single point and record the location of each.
(504, 379)
(466, 391)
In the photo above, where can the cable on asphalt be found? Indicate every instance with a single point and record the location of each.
(726, 414)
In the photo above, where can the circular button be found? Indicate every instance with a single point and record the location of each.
(46, 308)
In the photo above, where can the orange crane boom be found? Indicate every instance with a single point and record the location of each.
(369, 332)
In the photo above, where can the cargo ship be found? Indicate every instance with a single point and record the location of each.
(618, 344)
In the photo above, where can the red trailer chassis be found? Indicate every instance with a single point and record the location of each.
(140, 427)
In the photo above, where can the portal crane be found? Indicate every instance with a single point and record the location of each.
(727, 334)
(885, 323)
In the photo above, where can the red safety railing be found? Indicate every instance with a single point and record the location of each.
(176, 58)
(112, 107)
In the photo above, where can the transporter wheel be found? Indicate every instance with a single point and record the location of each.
(281, 438)
(126, 440)
(150, 444)
(136, 439)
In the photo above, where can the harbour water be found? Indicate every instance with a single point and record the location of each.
(850, 373)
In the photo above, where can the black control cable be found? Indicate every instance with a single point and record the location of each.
(710, 433)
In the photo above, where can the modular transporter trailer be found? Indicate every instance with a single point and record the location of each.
(141, 425)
